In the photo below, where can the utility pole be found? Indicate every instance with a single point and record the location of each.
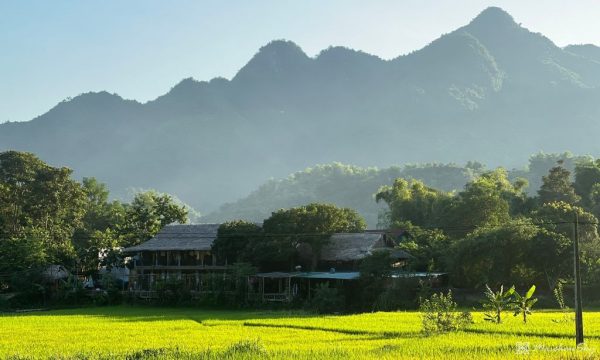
(576, 271)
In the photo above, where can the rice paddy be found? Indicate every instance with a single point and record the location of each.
(157, 333)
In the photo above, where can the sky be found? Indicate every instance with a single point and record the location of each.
(53, 50)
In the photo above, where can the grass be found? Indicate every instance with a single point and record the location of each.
(158, 333)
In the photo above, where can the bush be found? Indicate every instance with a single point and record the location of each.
(71, 292)
(401, 294)
(326, 300)
(112, 286)
(172, 292)
(439, 315)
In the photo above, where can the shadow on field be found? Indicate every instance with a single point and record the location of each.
(527, 333)
(373, 334)
(152, 314)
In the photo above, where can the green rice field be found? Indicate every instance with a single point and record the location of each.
(160, 333)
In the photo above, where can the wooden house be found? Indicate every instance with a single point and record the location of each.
(177, 252)
(338, 264)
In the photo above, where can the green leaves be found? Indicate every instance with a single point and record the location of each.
(496, 302)
(147, 214)
(439, 315)
(523, 304)
(310, 226)
(36, 198)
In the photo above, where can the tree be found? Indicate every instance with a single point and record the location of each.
(36, 198)
(311, 226)
(414, 202)
(374, 270)
(493, 255)
(587, 176)
(556, 186)
(147, 214)
(558, 218)
(97, 232)
(485, 201)
(234, 239)
(428, 246)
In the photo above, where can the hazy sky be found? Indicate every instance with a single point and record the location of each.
(140, 49)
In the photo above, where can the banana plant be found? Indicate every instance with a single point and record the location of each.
(523, 304)
(497, 301)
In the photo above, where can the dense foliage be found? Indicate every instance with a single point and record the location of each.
(48, 219)
(493, 231)
(355, 187)
(289, 237)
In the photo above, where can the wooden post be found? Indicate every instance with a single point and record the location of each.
(576, 270)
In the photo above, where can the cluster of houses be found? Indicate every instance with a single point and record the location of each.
(183, 252)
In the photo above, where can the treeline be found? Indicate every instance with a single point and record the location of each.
(355, 187)
(493, 232)
(47, 218)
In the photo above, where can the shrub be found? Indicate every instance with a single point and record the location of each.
(523, 304)
(112, 285)
(326, 300)
(439, 314)
(497, 301)
(401, 294)
(560, 300)
(172, 292)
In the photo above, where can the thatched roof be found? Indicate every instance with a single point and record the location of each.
(352, 246)
(180, 237)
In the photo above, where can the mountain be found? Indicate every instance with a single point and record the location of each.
(355, 187)
(490, 91)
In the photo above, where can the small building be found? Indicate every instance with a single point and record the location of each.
(345, 251)
(177, 252)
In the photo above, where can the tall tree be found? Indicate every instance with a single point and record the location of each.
(485, 201)
(98, 229)
(557, 186)
(37, 198)
(310, 225)
(495, 255)
(414, 202)
(587, 175)
(235, 240)
(147, 214)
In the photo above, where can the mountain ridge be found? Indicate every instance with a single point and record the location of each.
(490, 91)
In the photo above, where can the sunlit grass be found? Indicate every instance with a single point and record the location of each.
(145, 332)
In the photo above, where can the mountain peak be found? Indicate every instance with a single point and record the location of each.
(281, 47)
(493, 18)
(278, 56)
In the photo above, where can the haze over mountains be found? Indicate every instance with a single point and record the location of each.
(491, 91)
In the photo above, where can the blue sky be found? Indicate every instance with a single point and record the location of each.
(55, 49)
